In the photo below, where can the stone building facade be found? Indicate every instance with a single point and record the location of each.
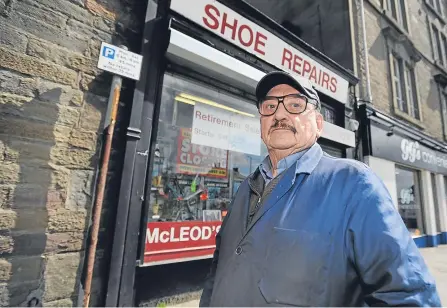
(53, 101)
(409, 36)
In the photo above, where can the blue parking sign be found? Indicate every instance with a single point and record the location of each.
(108, 52)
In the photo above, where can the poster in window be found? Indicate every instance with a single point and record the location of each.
(235, 131)
(198, 159)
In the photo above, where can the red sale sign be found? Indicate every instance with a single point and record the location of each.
(169, 242)
(199, 159)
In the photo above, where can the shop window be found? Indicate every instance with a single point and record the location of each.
(208, 142)
(404, 87)
(436, 202)
(397, 10)
(409, 199)
(328, 114)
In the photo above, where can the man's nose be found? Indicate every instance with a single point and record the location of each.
(281, 112)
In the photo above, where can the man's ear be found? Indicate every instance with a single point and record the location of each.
(320, 124)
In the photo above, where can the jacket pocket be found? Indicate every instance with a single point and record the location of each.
(296, 267)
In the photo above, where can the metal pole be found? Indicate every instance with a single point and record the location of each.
(110, 121)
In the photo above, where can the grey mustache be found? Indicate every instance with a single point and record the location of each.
(279, 124)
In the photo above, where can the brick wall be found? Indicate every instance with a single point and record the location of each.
(52, 106)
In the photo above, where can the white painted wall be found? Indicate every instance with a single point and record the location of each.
(428, 203)
(442, 202)
(385, 169)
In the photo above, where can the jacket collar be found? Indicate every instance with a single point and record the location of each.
(304, 163)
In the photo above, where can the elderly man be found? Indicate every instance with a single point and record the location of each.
(308, 229)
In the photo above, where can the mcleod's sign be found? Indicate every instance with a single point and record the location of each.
(254, 39)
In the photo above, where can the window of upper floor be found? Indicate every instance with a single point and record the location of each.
(397, 10)
(444, 110)
(438, 40)
(437, 6)
(403, 77)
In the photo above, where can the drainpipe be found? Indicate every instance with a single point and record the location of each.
(365, 53)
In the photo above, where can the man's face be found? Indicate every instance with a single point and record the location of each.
(286, 131)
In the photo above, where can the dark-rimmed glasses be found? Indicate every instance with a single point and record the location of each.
(293, 103)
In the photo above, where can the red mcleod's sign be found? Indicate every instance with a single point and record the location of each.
(169, 242)
(199, 159)
(240, 31)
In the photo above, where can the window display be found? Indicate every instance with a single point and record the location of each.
(409, 200)
(208, 142)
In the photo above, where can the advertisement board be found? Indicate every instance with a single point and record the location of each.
(169, 242)
(226, 130)
(199, 159)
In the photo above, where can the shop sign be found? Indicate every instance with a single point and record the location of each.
(406, 151)
(199, 159)
(226, 130)
(254, 39)
(180, 241)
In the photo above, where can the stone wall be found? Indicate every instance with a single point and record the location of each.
(425, 69)
(52, 107)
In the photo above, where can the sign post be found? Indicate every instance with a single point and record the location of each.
(120, 62)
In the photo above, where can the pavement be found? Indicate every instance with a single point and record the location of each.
(436, 259)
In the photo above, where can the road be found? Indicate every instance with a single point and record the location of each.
(436, 259)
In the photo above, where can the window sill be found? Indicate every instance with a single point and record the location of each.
(434, 11)
(397, 25)
(442, 68)
(408, 118)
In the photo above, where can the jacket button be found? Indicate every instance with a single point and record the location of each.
(238, 250)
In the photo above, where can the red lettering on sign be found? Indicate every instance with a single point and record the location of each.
(232, 27)
(250, 37)
(258, 42)
(333, 87)
(325, 82)
(313, 74)
(286, 56)
(306, 67)
(209, 9)
(241, 33)
(297, 60)
(173, 241)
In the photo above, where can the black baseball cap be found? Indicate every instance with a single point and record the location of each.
(275, 78)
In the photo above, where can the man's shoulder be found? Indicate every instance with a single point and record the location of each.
(350, 170)
(329, 162)
(353, 175)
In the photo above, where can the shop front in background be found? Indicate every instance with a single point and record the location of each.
(207, 139)
(415, 177)
(208, 142)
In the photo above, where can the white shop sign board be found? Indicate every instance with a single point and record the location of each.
(226, 130)
(119, 61)
(231, 26)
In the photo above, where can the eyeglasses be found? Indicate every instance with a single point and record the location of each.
(293, 103)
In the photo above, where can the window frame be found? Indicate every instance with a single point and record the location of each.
(438, 50)
(438, 7)
(444, 109)
(404, 87)
(397, 10)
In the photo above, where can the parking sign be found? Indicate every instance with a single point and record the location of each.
(120, 61)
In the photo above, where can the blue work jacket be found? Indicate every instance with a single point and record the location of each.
(327, 235)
